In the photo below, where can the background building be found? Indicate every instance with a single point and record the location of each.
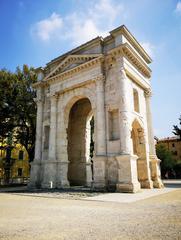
(14, 164)
(173, 144)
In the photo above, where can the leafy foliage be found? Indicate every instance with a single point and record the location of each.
(166, 157)
(17, 108)
(177, 130)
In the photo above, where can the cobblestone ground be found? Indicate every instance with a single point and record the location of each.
(45, 218)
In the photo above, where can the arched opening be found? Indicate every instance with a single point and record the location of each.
(136, 100)
(80, 143)
(139, 149)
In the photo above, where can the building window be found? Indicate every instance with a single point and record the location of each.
(46, 136)
(20, 172)
(113, 125)
(21, 155)
(136, 100)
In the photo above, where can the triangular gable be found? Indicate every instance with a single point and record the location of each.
(71, 61)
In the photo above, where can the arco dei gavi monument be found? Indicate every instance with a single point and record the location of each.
(94, 123)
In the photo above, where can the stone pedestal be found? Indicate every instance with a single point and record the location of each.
(155, 172)
(146, 184)
(53, 128)
(100, 118)
(127, 174)
(62, 169)
(35, 178)
(36, 171)
(49, 174)
(144, 174)
(99, 172)
(88, 174)
(154, 161)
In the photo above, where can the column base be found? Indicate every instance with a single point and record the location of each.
(155, 172)
(99, 163)
(49, 174)
(127, 174)
(61, 174)
(98, 186)
(158, 183)
(35, 175)
(63, 184)
(48, 185)
(88, 174)
(89, 184)
(128, 187)
(146, 184)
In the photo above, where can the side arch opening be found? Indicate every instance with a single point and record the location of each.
(80, 143)
(139, 149)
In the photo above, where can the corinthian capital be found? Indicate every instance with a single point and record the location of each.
(148, 93)
(37, 100)
(100, 79)
(54, 96)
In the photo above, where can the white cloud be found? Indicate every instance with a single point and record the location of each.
(106, 11)
(80, 26)
(149, 48)
(178, 7)
(47, 28)
(82, 31)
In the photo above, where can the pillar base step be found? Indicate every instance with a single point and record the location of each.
(128, 187)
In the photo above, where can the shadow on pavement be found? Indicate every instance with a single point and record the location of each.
(172, 183)
(169, 183)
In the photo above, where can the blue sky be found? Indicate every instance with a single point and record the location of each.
(34, 32)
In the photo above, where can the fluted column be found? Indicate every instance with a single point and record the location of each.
(100, 158)
(39, 120)
(125, 131)
(127, 163)
(50, 166)
(100, 117)
(149, 123)
(35, 175)
(143, 162)
(154, 161)
(61, 144)
(53, 127)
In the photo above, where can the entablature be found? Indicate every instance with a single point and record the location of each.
(61, 89)
(90, 60)
(126, 51)
(135, 75)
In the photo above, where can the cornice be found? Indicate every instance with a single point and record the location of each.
(71, 59)
(78, 85)
(95, 41)
(148, 93)
(123, 30)
(40, 84)
(127, 51)
(69, 72)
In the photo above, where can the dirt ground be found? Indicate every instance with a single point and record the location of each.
(42, 218)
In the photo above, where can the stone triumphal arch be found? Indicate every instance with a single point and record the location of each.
(94, 123)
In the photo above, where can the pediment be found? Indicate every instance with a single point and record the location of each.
(71, 62)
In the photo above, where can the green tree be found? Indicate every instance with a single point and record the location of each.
(166, 157)
(177, 130)
(8, 92)
(17, 108)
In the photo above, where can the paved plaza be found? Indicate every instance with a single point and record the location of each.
(41, 216)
